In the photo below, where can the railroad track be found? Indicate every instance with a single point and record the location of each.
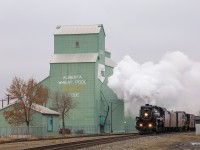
(59, 138)
(86, 143)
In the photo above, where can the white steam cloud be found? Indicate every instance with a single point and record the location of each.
(173, 83)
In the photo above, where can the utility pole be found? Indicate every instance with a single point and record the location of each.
(111, 117)
(2, 103)
(8, 95)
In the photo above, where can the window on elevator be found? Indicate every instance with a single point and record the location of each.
(77, 44)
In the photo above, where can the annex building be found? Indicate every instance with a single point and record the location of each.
(80, 67)
(44, 123)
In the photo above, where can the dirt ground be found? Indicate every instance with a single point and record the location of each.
(185, 141)
(179, 141)
(172, 141)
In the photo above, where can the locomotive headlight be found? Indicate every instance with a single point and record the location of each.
(146, 114)
(140, 124)
(150, 125)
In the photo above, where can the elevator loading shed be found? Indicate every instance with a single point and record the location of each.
(80, 67)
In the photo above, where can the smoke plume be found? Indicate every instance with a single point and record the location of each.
(173, 83)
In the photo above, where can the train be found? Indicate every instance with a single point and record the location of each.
(155, 119)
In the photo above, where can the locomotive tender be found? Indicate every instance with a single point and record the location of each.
(158, 119)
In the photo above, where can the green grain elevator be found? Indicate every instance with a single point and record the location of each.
(80, 67)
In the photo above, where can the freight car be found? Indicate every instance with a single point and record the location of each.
(157, 119)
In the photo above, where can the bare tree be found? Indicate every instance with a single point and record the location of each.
(63, 102)
(27, 94)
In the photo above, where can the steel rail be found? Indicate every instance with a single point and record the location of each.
(59, 138)
(85, 143)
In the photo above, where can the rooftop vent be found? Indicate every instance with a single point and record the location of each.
(58, 26)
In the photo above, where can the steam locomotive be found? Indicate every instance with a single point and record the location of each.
(154, 119)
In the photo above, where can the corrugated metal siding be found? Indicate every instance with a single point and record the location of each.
(87, 29)
(104, 96)
(71, 72)
(64, 80)
(73, 58)
(66, 44)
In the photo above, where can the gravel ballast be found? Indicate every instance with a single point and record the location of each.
(177, 141)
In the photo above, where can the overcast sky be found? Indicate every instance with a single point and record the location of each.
(143, 29)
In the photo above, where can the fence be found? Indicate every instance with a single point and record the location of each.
(22, 132)
(83, 129)
(39, 132)
(96, 129)
(129, 128)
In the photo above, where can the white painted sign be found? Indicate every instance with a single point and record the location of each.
(101, 72)
(73, 84)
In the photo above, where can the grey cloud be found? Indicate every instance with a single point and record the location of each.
(143, 29)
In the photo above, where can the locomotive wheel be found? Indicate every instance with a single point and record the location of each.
(150, 131)
(162, 129)
(180, 129)
(141, 132)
